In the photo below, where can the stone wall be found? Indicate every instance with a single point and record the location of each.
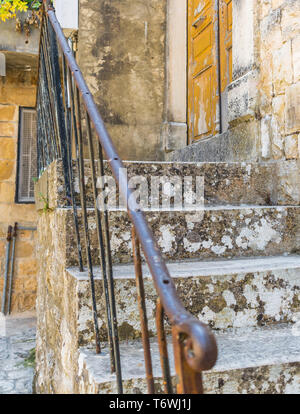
(263, 98)
(122, 56)
(279, 78)
(57, 344)
(16, 89)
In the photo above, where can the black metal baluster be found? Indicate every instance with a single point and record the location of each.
(49, 87)
(48, 114)
(101, 242)
(41, 110)
(49, 148)
(109, 272)
(57, 90)
(67, 83)
(76, 120)
(40, 146)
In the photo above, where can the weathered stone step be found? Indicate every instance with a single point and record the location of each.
(233, 183)
(228, 293)
(268, 362)
(215, 232)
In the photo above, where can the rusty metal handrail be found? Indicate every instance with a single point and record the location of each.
(194, 344)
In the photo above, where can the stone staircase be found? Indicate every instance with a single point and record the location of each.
(236, 266)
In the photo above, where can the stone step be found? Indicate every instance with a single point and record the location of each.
(224, 294)
(224, 183)
(212, 233)
(268, 362)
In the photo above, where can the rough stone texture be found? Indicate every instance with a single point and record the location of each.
(122, 56)
(224, 183)
(236, 293)
(292, 109)
(56, 352)
(236, 183)
(240, 295)
(238, 144)
(211, 233)
(263, 98)
(17, 341)
(16, 89)
(278, 27)
(291, 146)
(267, 364)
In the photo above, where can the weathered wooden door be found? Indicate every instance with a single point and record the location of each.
(225, 42)
(209, 64)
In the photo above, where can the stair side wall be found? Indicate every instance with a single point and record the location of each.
(56, 338)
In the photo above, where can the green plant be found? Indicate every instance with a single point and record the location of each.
(44, 199)
(30, 360)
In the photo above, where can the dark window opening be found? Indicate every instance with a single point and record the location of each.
(27, 156)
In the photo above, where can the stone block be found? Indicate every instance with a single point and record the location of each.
(220, 232)
(288, 182)
(270, 21)
(265, 137)
(24, 249)
(8, 112)
(271, 138)
(277, 3)
(260, 360)
(277, 140)
(282, 67)
(7, 192)
(232, 296)
(2, 248)
(290, 19)
(174, 135)
(8, 129)
(296, 57)
(7, 149)
(243, 55)
(265, 8)
(18, 285)
(30, 284)
(27, 267)
(291, 147)
(23, 212)
(21, 302)
(6, 170)
(278, 108)
(242, 97)
(292, 109)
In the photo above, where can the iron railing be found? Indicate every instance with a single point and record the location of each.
(62, 99)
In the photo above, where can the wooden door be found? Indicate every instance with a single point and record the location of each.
(225, 42)
(209, 64)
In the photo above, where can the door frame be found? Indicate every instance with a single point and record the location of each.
(216, 34)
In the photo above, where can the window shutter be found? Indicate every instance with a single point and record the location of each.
(27, 155)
